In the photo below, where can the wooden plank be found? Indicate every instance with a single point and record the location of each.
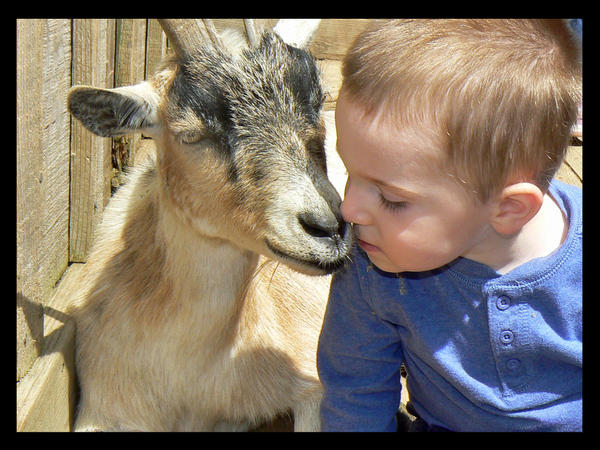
(574, 160)
(29, 114)
(156, 46)
(130, 51)
(46, 396)
(91, 166)
(334, 37)
(571, 170)
(43, 76)
(130, 68)
(331, 75)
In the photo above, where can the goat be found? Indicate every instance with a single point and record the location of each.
(186, 320)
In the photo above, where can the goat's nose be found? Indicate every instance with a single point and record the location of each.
(322, 225)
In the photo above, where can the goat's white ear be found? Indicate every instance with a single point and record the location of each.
(115, 112)
(297, 32)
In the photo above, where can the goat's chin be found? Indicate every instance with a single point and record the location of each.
(307, 265)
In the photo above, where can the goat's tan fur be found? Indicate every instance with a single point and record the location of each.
(181, 323)
(245, 328)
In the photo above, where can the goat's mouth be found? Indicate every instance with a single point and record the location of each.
(311, 263)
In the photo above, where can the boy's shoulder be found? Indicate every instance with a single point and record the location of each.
(568, 189)
(570, 200)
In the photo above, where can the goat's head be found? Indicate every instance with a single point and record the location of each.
(240, 145)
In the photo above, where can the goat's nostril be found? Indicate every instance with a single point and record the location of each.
(342, 228)
(320, 226)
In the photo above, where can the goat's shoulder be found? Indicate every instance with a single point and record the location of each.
(128, 225)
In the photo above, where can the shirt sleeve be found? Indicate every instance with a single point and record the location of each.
(359, 358)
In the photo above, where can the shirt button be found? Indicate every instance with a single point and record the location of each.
(513, 365)
(506, 337)
(503, 302)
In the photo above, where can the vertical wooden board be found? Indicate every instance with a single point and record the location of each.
(156, 46)
(334, 37)
(571, 170)
(29, 115)
(43, 76)
(55, 140)
(130, 68)
(91, 166)
(331, 78)
(574, 159)
(130, 51)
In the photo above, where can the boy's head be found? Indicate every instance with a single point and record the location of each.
(500, 95)
(449, 126)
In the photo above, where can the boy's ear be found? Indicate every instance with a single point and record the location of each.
(115, 112)
(516, 205)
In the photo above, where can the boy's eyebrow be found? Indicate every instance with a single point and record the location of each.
(396, 189)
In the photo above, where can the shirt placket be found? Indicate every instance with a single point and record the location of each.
(509, 339)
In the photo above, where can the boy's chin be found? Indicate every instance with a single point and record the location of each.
(384, 265)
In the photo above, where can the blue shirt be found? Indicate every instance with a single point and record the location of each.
(483, 351)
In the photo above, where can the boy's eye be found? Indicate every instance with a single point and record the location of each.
(391, 206)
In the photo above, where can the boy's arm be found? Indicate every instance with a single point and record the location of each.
(359, 360)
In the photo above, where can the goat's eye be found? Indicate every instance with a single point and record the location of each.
(316, 148)
(190, 137)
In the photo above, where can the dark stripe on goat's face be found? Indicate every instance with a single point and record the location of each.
(252, 104)
(303, 79)
(200, 87)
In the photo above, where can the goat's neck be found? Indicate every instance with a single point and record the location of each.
(201, 268)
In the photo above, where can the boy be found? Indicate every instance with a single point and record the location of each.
(469, 268)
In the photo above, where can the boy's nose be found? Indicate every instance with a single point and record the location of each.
(352, 207)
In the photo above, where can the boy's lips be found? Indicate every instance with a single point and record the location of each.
(369, 248)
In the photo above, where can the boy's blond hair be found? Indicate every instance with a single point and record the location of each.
(501, 94)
